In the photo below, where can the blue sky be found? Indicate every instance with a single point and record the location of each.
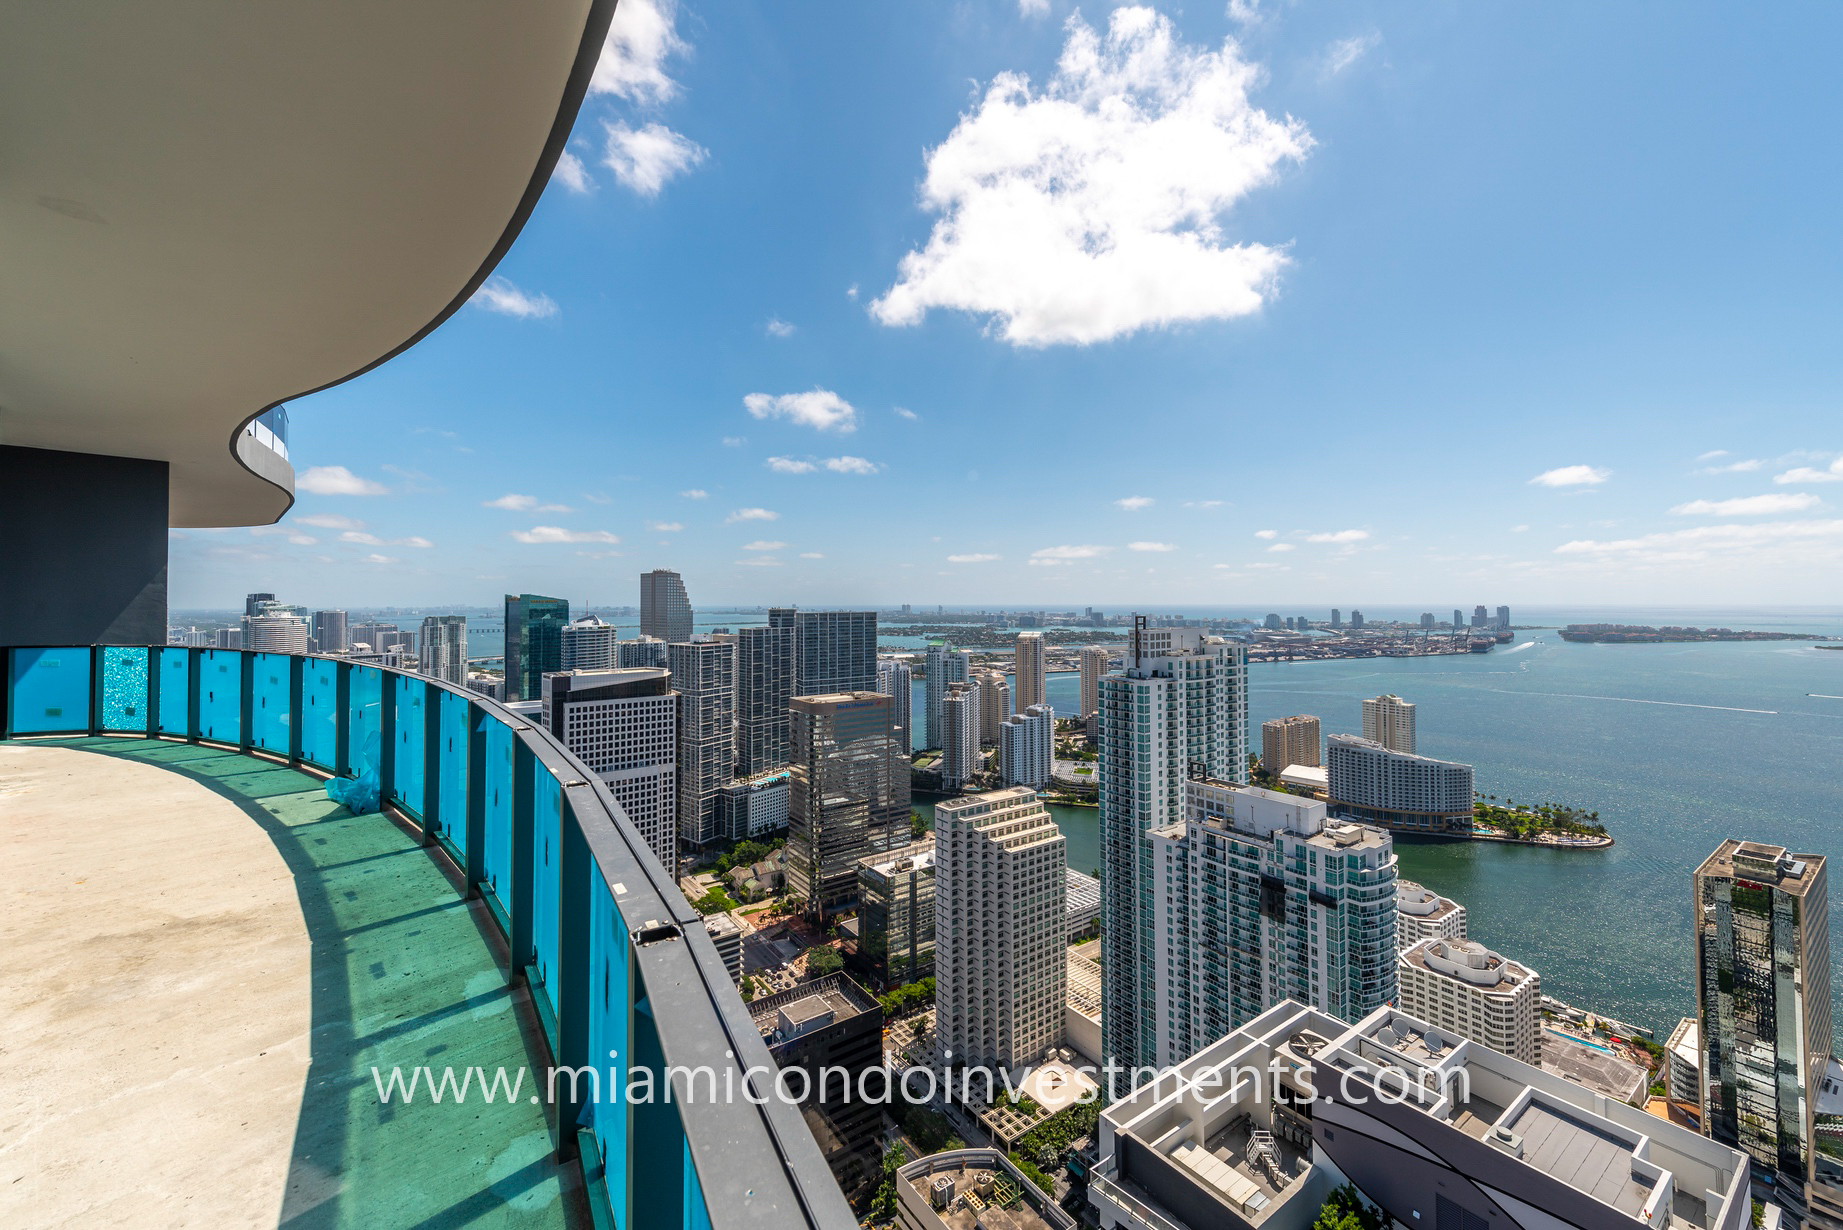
(1295, 304)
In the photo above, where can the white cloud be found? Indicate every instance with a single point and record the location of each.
(380, 559)
(779, 328)
(904, 412)
(1749, 506)
(1282, 546)
(1202, 503)
(1339, 536)
(640, 39)
(647, 159)
(1690, 546)
(497, 294)
(1133, 503)
(1347, 51)
(332, 521)
(734, 441)
(751, 514)
(760, 561)
(1088, 210)
(1033, 8)
(811, 555)
(790, 465)
(1571, 476)
(664, 527)
(1267, 533)
(977, 557)
(336, 480)
(362, 538)
(1805, 474)
(851, 291)
(851, 465)
(821, 409)
(595, 498)
(1747, 466)
(556, 533)
(572, 174)
(1151, 546)
(413, 541)
(1519, 529)
(302, 540)
(1050, 557)
(513, 503)
(696, 493)
(1244, 13)
(1712, 454)
(762, 545)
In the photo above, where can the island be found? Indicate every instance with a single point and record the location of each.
(1640, 634)
(1539, 824)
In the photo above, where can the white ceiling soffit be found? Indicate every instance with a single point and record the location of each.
(210, 208)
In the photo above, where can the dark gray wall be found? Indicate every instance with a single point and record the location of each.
(82, 549)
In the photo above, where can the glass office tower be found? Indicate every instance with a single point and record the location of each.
(534, 642)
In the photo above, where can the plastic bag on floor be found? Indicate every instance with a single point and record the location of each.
(359, 794)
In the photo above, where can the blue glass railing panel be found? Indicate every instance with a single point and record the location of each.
(320, 711)
(408, 765)
(50, 691)
(271, 690)
(697, 1216)
(451, 801)
(364, 704)
(610, 1027)
(497, 808)
(175, 687)
(546, 847)
(124, 689)
(220, 695)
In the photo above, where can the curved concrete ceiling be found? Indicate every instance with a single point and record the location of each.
(207, 209)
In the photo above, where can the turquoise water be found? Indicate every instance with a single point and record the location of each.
(1676, 746)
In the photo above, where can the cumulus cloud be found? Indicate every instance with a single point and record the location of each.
(1088, 210)
(790, 465)
(762, 545)
(1746, 466)
(1712, 454)
(572, 174)
(332, 521)
(1571, 476)
(977, 557)
(905, 413)
(820, 409)
(695, 493)
(1347, 51)
(760, 561)
(641, 38)
(1806, 474)
(513, 503)
(1339, 536)
(498, 294)
(1749, 506)
(556, 533)
(381, 559)
(751, 514)
(1133, 503)
(1267, 533)
(812, 555)
(734, 441)
(851, 465)
(646, 159)
(664, 527)
(1281, 546)
(1033, 8)
(336, 480)
(1151, 546)
(1202, 503)
(779, 328)
(1051, 557)
(1707, 541)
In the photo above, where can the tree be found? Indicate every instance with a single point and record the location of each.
(823, 961)
(1345, 1209)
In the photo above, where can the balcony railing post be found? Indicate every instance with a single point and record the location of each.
(195, 667)
(342, 718)
(431, 761)
(524, 788)
(571, 980)
(153, 691)
(474, 847)
(387, 736)
(297, 706)
(246, 700)
(96, 656)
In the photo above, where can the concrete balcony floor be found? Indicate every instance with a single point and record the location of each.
(205, 960)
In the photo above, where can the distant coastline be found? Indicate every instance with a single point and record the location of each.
(1640, 634)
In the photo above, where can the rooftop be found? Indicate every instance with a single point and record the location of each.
(975, 1189)
(799, 1010)
(1469, 962)
(1773, 866)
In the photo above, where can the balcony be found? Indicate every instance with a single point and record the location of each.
(228, 966)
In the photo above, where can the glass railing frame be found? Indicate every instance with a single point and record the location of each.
(746, 1164)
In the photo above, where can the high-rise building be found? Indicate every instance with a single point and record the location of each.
(1245, 887)
(1337, 620)
(1422, 914)
(444, 648)
(896, 681)
(1356, 620)
(1427, 620)
(586, 644)
(994, 704)
(764, 685)
(1458, 619)
(1290, 741)
(623, 724)
(704, 676)
(1478, 616)
(1027, 747)
(1398, 790)
(252, 603)
(382, 637)
(1001, 974)
(945, 667)
(534, 642)
(1178, 709)
(275, 634)
(896, 913)
(1763, 1010)
(834, 651)
(1389, 720)
(1094, 661)
(753, 806)
(831, 1031)
(330, 634)
(960, 754)
(1503, 617)
(1465, 988)
(848, 796)
(1029, 688)
(229, 638)
(665, 608)
(642, 651)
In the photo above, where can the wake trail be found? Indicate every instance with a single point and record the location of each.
(1633, 700)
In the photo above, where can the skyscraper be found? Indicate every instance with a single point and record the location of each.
(665, 608)
(1289, 741)
(1465, 987)
(1399, 790)
(848, 797)
(534, 642)
(1458, 619)
(1000, 929)
(834, 651)
(444, 647)
(994, 704)
(1356, 621)
(1178, 709)
(588, 644)
(1389, 720)
(1337, 620)
(1503, 617)
(623, 725)
(704, 676)
(1093, 666)
(960, 757)
(641, 651)
(1027, 746)
(896, 681)
(896, 912)
(946, 666)
(330, 632)
(275, 634)
(252, 603)
(1028, 689)
(764, 685)
(1478, 616)
(1763, 1006)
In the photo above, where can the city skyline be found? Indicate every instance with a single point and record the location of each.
(795, 334)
